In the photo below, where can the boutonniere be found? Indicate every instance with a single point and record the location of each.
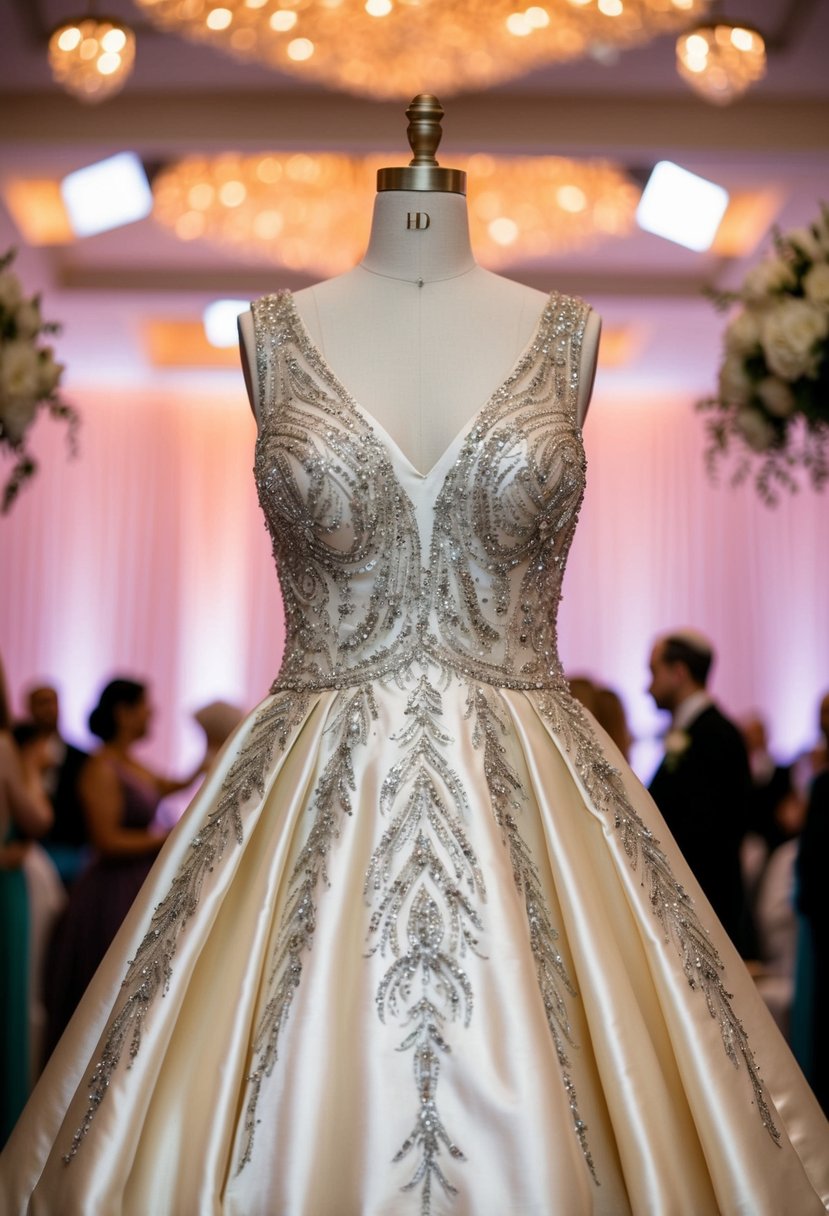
(677, 743)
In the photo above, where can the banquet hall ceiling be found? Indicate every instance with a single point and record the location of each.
(191, 98)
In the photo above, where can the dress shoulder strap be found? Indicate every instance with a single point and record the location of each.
(271, 319)
(566, 325)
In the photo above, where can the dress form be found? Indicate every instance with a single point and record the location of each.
(418, 333)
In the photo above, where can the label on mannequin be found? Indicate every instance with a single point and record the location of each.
(418, 219)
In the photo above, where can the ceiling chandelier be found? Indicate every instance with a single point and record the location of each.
(388, 48)
(91, 57)
(720, 61)
(312, 212)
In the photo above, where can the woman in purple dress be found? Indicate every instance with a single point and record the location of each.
(120, 797)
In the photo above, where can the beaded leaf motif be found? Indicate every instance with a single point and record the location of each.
(424, 877)
(553, 981)
(670, 903)
(150, 972)
(350, 723)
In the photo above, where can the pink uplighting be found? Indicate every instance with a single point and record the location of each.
(147, 554)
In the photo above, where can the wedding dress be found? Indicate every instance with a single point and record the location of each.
(422, 943)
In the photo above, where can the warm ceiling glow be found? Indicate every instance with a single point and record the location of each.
(747, 221)
(720, 62)
(299, 211)
(621, 346)
(300, 49)
(92, 57)
(184, 344)
(282, 20)
(393, 48)
(312, 212)
(37, 208)
(219, 18)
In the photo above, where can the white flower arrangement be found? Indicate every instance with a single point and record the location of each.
(29, 378)
(773, 393)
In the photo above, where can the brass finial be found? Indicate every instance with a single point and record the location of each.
(423, 171)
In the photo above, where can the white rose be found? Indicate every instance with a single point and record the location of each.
(16, 416)
(10, 293)
(792, 334)
(776, 396)
(49, 372)
(816, 283)
(19, 370)
(806, 242)
(27, 319)
(742, 335)
(735, 383)
(755, 429)
(769, 277)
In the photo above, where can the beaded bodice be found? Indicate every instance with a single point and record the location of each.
(381, 566)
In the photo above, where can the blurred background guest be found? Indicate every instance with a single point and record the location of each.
(776, 814)
(67, 840)
(771, 785)
(610, 713)
(820, 754)
(24, 813)
(774, 916)
(813, 904)
(217, 720)
(607, 708)
(703, 785)
(46, 894)
(583, 689)
(119, 796)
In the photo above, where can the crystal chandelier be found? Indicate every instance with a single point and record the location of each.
(389, 48)
(91, 57)
(312, 212)
(721, 61)
(303, 212)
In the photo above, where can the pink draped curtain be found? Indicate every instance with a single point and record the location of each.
(147, 556)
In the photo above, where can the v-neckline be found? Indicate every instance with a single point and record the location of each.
(451, 453)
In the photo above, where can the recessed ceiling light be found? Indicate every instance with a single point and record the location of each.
(106, 195)
(681, 207)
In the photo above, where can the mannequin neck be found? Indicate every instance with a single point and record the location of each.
(419, 237)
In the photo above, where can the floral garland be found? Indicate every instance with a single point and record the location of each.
(29, 378)
(773, 398)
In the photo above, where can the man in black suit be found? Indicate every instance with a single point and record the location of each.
(68, 840)
(703, 785)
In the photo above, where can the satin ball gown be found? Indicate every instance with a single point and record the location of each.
(422, 943)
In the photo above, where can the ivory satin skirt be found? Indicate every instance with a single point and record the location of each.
(395, 963)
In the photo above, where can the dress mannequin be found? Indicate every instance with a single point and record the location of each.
(419, 313)
(420, 896)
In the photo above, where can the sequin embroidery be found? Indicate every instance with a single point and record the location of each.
(671, 904)
(331, 800)
(150, 972)
(423, 881)
(369, 599)
(553, 981)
